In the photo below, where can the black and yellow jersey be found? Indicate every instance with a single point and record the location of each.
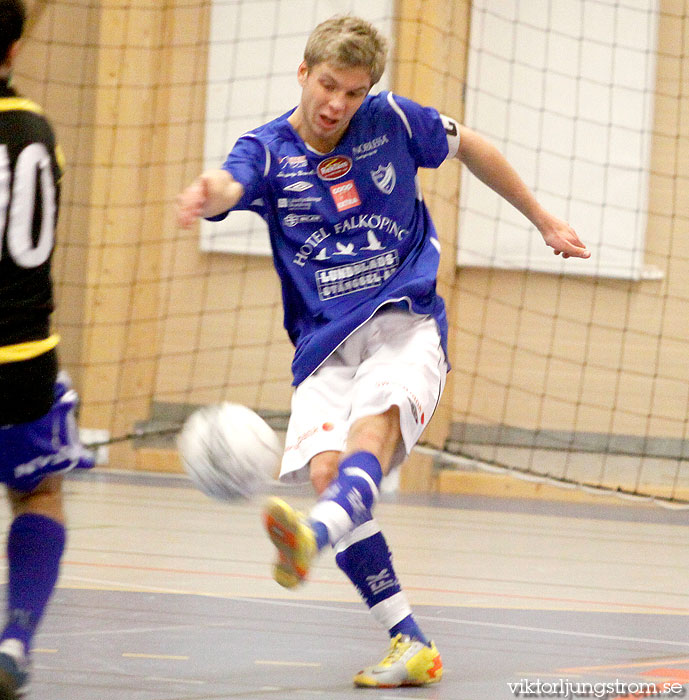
(30, 172)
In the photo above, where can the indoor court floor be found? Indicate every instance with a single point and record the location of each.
(167, 595)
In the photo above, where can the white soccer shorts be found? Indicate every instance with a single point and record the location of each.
(394, 359)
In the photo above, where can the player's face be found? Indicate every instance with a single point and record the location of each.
(330, 97)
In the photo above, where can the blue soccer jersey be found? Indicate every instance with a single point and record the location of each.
(349, 229)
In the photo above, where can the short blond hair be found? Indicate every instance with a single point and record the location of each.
(348, 42)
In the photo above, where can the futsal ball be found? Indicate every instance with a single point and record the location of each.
(228, 451)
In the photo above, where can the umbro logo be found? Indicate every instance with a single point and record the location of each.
(299, 186)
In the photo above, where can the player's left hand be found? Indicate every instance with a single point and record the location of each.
(562, 238)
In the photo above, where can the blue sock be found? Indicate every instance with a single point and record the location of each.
(348, 501)
(366, 560)
(34, 548)
(409, 627)
(321, 532)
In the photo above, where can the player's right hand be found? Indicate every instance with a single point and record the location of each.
(190, 202)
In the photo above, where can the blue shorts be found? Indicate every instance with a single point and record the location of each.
(49, 445)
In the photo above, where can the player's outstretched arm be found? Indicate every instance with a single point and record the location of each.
(213, 192)
(492, 168)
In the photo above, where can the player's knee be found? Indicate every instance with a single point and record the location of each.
(320, 479)
(45, 499)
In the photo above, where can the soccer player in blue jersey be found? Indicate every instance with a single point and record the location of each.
(38, 436)
(357, 255)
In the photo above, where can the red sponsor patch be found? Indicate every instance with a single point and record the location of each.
(345, 195)
(334, 168)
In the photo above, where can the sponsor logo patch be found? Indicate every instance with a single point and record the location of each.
(300, 173)
(327, 427)
(334, 168)
(296, 219)
(345, 195)
(338, 281)
(364, 150)
(294, 161)
(299, 204)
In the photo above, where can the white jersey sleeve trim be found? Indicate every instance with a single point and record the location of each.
(400, 113)
(452, 132)
(266, 168)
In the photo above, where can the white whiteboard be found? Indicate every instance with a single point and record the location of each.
(565, 90)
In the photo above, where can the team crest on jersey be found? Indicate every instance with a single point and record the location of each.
(385, 178)
(334, 168)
